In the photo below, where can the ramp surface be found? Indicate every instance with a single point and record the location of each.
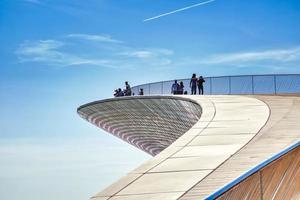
(223, 136)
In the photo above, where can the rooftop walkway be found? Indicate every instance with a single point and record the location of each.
(200, 143)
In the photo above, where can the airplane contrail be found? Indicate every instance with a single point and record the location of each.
(179, 10)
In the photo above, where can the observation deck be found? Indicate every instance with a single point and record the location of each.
(207, 146)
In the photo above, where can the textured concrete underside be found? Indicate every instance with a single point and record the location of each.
(149, 123)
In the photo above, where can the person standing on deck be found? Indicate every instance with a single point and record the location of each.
(193, 84)
(127, 89)
(174, 88)
(180, 88)
(141, 93)
(200, 85)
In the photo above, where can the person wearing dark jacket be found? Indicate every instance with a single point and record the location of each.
(174, 88)
(200, 85)
(141, 93)
(180, 88)
(116, 94)
(127, 90)
(193, 84)
(120, 93)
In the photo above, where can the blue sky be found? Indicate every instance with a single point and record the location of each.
(56, 55)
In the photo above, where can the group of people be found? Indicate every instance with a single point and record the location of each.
(194, 84)
(127, 91)
(177, 88)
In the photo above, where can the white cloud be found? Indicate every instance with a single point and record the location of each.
(138, 54)
(282, 56)
(147, 53)
(98, 38)
(104, 54)
(39, 50)
(276, 60)
(33, 1)
(49, 52)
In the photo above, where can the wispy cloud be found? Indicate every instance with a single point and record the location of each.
(39, 50)
(179, 10)
(33, 1)
(138, 54)
(73, 8)
(97, 38)
(147, 53)
(276, 60)
(49, 52)
(106, 52)
(274, 55)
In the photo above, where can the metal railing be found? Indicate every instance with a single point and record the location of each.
(243, 84)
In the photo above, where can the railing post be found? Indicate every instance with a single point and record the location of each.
(211, 85)
(252, 83)
(229, 82)
(275, 84)
(162, 87)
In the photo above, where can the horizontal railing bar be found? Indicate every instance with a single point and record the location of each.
(243, 75)
(259, 86)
